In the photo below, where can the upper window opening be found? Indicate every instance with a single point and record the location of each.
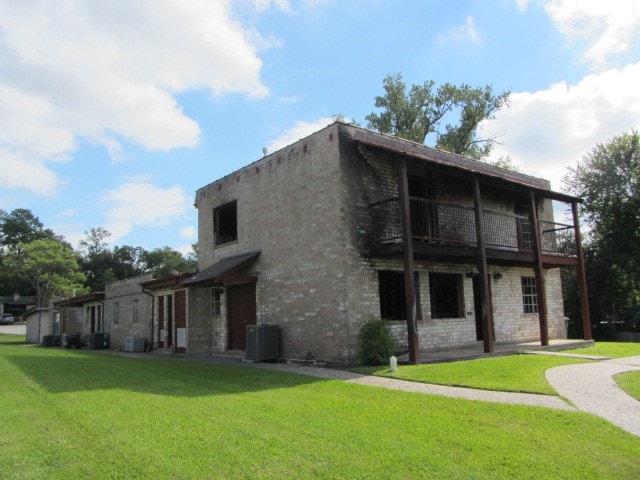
(225, 220)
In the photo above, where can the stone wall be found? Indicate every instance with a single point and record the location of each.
(127, 311)
(306, 207)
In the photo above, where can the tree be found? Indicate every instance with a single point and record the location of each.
(417, 113)
(608, 179)
(163, 261)
(97, 260)
(21, 226)
(52, 268)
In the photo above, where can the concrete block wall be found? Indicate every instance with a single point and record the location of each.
(124, 293)
(306, 207)
(289, 205)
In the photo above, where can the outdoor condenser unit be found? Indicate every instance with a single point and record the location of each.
(262, 342)
(98, 341)
(134, 344)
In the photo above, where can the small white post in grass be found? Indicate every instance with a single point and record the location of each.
(393, 363)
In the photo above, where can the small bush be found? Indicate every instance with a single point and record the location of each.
(376, 344)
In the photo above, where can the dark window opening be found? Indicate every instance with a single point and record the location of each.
(445, 290)
(422, 209)
(529, 295)
(392, 301)
(225, 223)
(216, 302)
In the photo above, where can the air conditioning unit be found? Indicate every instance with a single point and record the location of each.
(98, 341)
(134, 344)
(262, 342)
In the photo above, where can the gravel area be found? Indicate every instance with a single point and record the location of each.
(591, 388)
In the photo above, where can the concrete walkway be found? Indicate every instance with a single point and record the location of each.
(591, 388)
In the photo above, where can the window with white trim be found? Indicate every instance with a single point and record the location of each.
(529, 295)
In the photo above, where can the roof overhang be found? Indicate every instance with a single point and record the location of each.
(80, 300)
(465, 165)
(223, 270)
(168, 281)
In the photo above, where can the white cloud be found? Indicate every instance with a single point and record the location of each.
(108, 72)
(548, 130)
(607, 28)
(140, 203)
(465, 33)
(189, 233)
(299, 130)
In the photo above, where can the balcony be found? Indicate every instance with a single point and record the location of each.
(448, 230)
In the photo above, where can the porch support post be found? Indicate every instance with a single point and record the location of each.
(407, 243)
(582, 276)
(539, 270)
(485, 296)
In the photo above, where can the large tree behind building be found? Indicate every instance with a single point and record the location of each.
(608, 179)
(417, 113)
(52, 268)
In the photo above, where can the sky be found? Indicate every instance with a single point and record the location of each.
(113, 113)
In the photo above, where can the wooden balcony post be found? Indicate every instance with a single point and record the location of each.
(409, 282)
(485, 295)
(539, 270)
(582, 276)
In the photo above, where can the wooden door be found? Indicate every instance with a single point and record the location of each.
(241, 311)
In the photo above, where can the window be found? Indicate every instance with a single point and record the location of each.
(225, 223)
(392, 301)
(116, 313)
(529, 295)
(216, 302)
(445, 291)
(135, 311)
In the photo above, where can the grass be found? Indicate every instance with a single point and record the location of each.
(610, 349)
(513, 373)
(629, 382)
(76, 414)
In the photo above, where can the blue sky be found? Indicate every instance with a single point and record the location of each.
(113, 113)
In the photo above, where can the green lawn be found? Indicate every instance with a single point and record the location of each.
(629, 382)
(78, 414)
(513, 373)
(610, 349)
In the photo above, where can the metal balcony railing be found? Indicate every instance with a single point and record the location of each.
(453, 223)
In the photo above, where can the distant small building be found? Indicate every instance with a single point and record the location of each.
(41, 322)
(17, 304)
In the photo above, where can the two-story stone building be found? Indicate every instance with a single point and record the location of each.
(348, 224)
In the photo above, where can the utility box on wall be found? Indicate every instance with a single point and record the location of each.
(262, 342)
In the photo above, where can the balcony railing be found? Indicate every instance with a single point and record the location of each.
(454, 224)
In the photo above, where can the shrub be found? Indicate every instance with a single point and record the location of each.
(376, 344)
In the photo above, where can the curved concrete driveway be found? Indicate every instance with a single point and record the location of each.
(591, 388)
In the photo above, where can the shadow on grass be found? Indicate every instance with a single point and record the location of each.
(61, 371)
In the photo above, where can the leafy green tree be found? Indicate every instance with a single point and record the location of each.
(163, 261)
(97, 260)
(608, 179)
(21, 226)
(52, 268)
(418, 112)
